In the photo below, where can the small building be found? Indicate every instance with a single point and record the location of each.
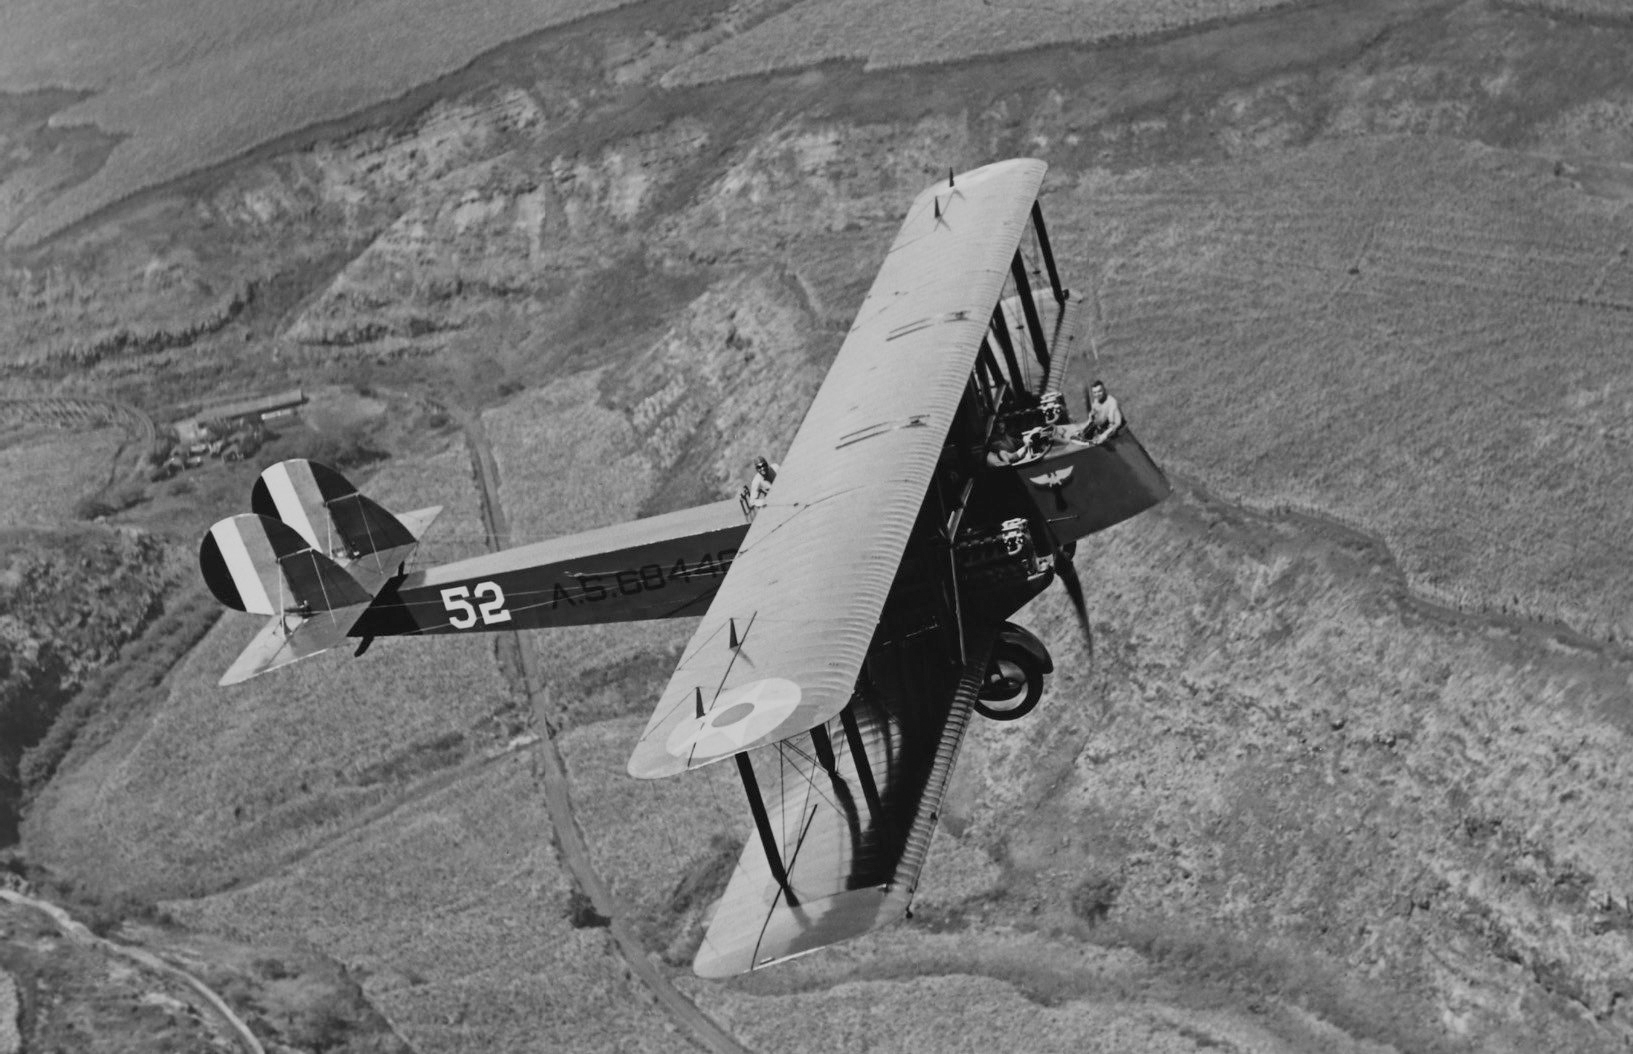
(224, 417)
(260, 408)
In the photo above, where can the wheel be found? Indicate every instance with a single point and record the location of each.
(1013, 685)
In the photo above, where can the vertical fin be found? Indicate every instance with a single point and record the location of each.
(324, 508)
(261, 565)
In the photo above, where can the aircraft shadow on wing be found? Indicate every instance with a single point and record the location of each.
(853, 614)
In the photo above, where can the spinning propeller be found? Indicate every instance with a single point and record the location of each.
(1066, 571)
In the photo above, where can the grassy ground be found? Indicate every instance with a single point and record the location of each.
(48, 472)
(656, 841)
(1434, 359)
(456, 969)
(88, 998)
(206, 788)
(1277, 741)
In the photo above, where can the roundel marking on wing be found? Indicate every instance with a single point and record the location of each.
(740, 716)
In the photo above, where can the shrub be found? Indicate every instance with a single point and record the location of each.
(92, 507)
(581, 912)
(129, 495)
(345, 449)
(1094, 897)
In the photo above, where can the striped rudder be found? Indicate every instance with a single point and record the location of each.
(258, 564)
(323, 507)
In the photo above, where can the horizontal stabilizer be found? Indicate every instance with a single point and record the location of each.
(419, 521)
(260, 565)
(289, 638)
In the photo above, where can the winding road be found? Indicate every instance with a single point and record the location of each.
(551, 773)
(89, 411)
(79, 934)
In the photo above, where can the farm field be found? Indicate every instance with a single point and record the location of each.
(48, 471)
(1422, 359)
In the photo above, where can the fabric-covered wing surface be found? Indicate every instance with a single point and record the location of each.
(783, 641)
(852, 837)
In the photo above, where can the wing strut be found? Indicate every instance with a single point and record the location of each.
(756, 805)
(825, 750)
(955, 518)
(1048, 257)
(1034, 324)
(864, 771)
(1000, 328)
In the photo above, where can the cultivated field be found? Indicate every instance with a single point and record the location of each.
(193, 84)
(913, 33)
(1439, 359)
(47, 472)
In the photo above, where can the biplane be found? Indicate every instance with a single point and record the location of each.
(849, 626)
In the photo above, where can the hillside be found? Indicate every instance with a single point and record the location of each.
(155, 987)
(1346, 773)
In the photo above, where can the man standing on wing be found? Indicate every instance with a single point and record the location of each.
(759, 488)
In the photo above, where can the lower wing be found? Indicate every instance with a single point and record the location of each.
(850, 808)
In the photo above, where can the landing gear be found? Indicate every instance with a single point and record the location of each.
(1014, 679)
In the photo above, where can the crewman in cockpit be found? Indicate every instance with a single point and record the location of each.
(1001, 451)
(1105, 416)
(759, 488)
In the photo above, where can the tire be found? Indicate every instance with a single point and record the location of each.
(1014, 682)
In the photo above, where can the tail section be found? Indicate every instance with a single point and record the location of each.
(323, 507)
(255, 564)
(313, 554)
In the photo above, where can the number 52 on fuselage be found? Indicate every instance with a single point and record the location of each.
(849, 627)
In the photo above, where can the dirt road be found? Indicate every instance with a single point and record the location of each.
(552, 777)
(76, 931)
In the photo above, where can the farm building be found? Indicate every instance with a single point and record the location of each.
(224, 416)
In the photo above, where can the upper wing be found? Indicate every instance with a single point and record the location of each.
(851, 811)
(781, 645)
